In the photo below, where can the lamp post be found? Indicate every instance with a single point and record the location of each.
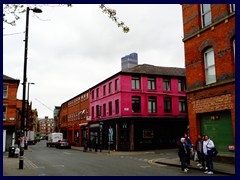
(27, 119)
(23, 118)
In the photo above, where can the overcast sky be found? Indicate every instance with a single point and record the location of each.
(72, 49)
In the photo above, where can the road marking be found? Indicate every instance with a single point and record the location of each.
(66, 153)
(30, 164)
(147, 166)
(58, 165)
(152, 161)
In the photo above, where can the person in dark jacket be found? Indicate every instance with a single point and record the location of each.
(199, 150)
(182, 153)
(188, 147)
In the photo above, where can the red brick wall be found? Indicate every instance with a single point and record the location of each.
(219, 96)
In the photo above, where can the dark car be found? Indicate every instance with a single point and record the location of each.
(63, 144)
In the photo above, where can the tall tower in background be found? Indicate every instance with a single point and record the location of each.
(129, 61)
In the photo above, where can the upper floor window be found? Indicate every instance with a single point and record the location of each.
(116, 85)
(117, 106)
(104, 90)
(5, 90)
(152, 104)
(110, 88)
(4, 112)
(92, 111)
(99, 110)
(151, 83)
(181, 85)
(167, 105)
(182, 105)
(136, 104)
(209, 61)
(92, 94)
(97, 93)
(135, 83)
(232, 7)
(206, 14)
(166, 84)
(104, 110)
(110, 108)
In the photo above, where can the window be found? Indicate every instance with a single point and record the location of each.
(92, 94)
(181, 85)
(209, 61)
(104, 110)
(97, 93)
(135, 83)
(166, 85)
(92, 112)
(182, 105)
(232, 7)
(110, 88)
(117, 106)
(152, 104)
(167, 105)
(4, 112)
(206, 14)
(99, 111)
(104, 90)
(116, 85)
(110, 108)
(136, 108)
(151, 83)
(5, 90)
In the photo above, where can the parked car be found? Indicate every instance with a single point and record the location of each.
(64, 143)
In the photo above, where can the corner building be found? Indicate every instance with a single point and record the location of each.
(141, 108)
(209, 44)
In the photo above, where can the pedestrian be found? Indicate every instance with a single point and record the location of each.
(189, 148)
(89, 144)
(198, 150)
(182, 153)
(207, 145)
(84, 145)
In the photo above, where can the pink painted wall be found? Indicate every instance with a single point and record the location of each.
(125, 93)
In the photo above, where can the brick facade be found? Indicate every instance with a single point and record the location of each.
(218, 96)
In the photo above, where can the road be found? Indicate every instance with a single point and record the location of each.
(45, 161)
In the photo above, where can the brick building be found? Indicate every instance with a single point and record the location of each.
(143, 107)
(72, 119)
(46, 126)
(10, 110)
(209, 44)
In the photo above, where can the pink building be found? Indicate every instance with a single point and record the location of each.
(141, 108)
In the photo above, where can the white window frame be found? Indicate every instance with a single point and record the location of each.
(204, 14)
(232, 8)
(167, 84)
(5, 95)
(209, 66)
(5, 113)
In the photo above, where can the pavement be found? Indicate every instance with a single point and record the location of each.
(11, 165)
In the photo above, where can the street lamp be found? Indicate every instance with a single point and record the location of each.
(35, 10)
(27, 119)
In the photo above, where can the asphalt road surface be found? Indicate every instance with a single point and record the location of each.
(45, 161)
